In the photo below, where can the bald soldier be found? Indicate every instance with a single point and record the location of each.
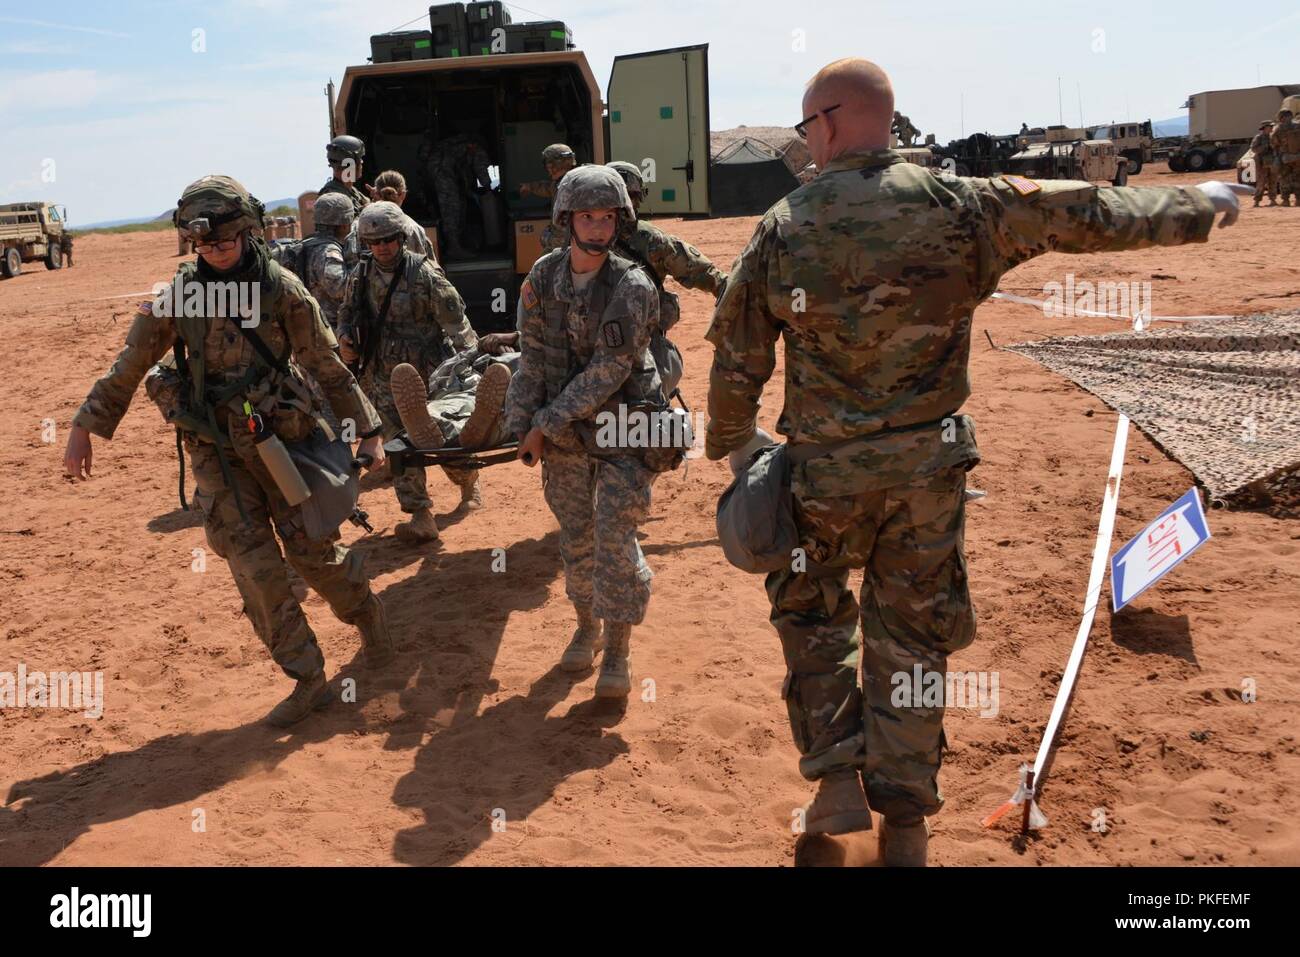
(869, 275)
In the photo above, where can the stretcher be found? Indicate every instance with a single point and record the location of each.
(403, 455)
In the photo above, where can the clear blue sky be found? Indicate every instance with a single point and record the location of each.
(128, 112)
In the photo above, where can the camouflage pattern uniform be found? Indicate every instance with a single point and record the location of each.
(65, 248)
(358, 198)
(291, 324)
(426, 311)
(1265, 166)
(891, 260)
(665, 255)
(571, 367)
(558, 158)
(454, 163)
(452, 393)
(1286, 146)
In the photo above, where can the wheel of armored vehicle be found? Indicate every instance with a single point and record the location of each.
(1121, 175)
(1197, 161)
(54, 256)
(1177, 164)
(12, 264)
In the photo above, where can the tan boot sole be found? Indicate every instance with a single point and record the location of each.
(489, 398)
(410, 398)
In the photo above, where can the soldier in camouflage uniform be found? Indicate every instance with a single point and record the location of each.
(1285, 141)
(425, 312)
(585, 321)
(1266, 173)
(904, 130)
(226, 373)
(346, 156)
(454, 164)
(462, 403)
(390, 185)
(869, 275)
(323, 271)
(558, 158)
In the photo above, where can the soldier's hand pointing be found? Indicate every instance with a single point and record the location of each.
(1224, 197)
(79, 455)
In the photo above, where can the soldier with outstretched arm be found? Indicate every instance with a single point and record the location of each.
(869, 275)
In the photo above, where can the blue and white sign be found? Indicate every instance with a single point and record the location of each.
(1180, 530)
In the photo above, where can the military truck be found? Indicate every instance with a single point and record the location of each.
(656, 116)
(1221, 124)
(28, 232)
(1091, 160)
(980, 154)
(1133, 140)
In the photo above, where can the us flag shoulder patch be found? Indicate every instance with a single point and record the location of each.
(1025, 187)
(527, 295)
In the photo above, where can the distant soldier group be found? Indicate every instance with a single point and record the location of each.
(1276, 149)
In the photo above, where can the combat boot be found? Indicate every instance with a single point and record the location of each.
(411, 400)
(615, 679)
(376, 642)
(471, 493)
(421, 528)
(309, 694)
(587, 642)
(489, 398)
(903, 843)
(839, 806)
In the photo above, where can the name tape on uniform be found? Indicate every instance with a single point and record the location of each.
(1167, 542)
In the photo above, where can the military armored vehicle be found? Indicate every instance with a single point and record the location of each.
(656, 115)
(1091, 160)
(1134, 140)
(28, 232)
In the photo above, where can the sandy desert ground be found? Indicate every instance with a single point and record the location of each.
(474, 718)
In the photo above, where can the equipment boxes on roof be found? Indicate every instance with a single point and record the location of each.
(405, 45)
(542, 37)
(448, 26)
(481, 19)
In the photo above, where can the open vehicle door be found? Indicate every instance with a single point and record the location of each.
(659, 120)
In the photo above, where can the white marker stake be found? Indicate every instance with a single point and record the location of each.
(1096, 578)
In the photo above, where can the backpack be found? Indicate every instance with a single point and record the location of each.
(295, 254)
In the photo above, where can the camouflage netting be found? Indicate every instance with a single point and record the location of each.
(1222, 397)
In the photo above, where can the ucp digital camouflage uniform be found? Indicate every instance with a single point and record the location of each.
(425, 313)
(869, 274)
(291, 325)
(453, 393)
(1265, 167)
(456, 163)
(583, 353)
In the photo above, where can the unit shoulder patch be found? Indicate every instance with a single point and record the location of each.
(612, 332)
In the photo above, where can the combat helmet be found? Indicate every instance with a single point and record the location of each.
(557, 153)
(217, 208)
(632, 178)
(333, 209)
(381, 220)
(592, 187)
(343, 148)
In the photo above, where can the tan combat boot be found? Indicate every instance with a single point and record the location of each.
(421, 528)
(839, 806)
(471, 492)
(615, 679)
(309, 694)
(903, 843)
(411, 400)
(376, 642)
(489, 399)
(587, 642)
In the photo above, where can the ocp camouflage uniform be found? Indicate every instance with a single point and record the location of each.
(1286, 145)
(291, 325)
(661, 254)
(583, 353)
(869, 274)
(425, 313)
(1265, 167)
(359, 199)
